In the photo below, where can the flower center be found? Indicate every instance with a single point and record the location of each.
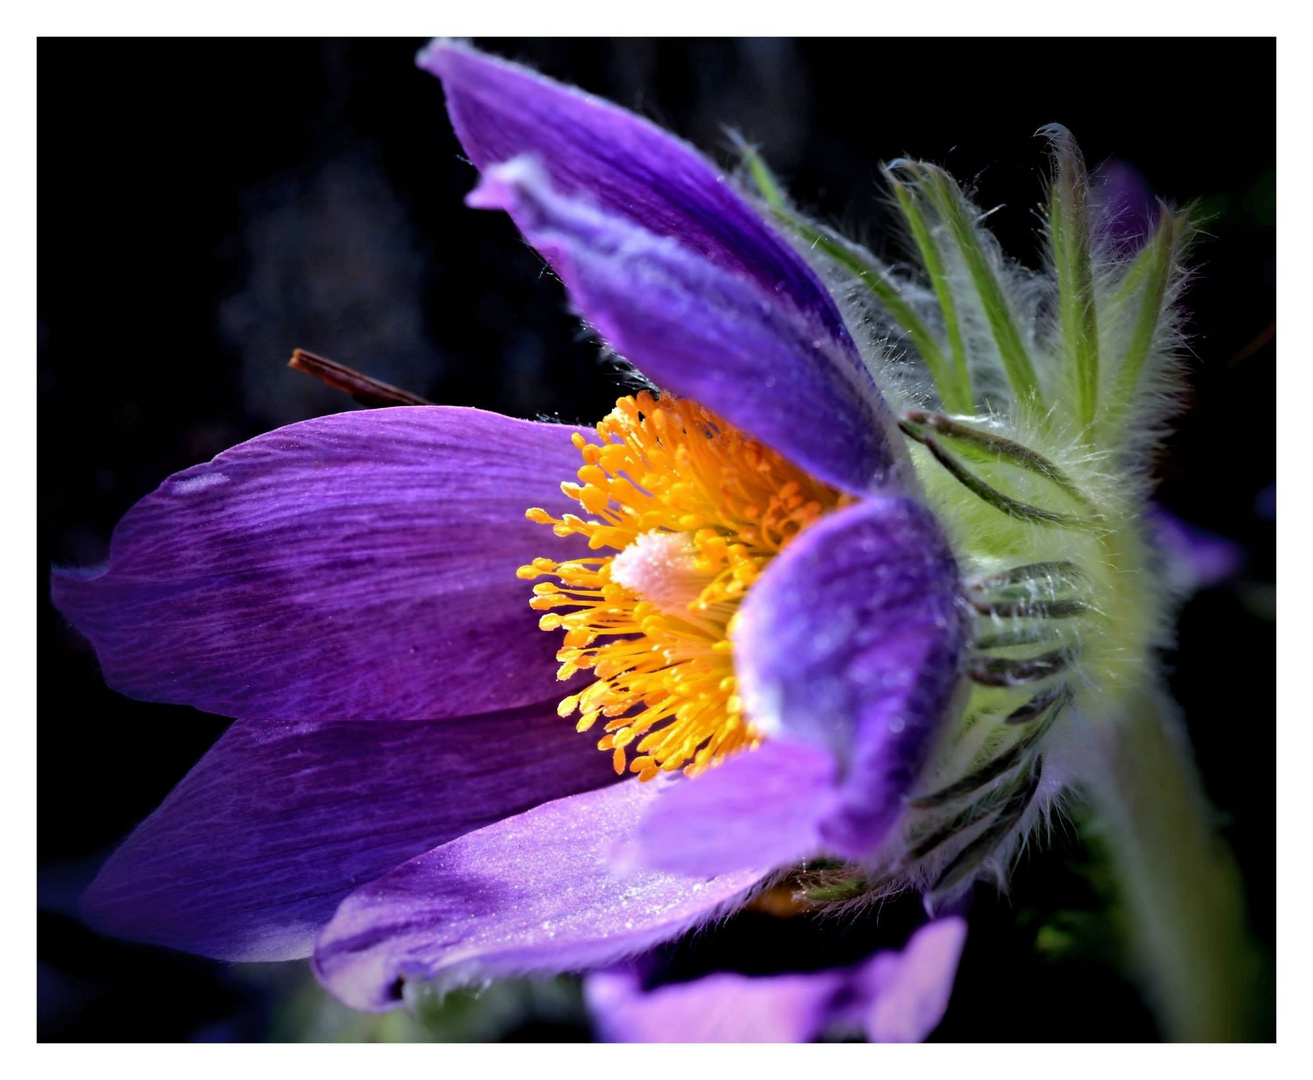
(692, 510)
(661, 567)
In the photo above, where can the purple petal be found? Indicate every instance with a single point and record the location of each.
(852, 640)
(252, 852)
(622, 164)
(892, 997)
(720, 1008)
(536, 893)
(358, 566)
(762, 808)
(850, 645)
(707, 333)
(908, 992)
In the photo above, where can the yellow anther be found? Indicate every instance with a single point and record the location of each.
(593, 499)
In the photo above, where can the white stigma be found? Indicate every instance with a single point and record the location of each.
(658, 567)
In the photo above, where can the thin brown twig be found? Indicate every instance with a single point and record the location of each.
(362, 388)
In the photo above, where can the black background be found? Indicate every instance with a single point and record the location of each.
(206, 206)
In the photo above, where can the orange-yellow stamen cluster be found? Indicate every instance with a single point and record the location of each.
(692, 511)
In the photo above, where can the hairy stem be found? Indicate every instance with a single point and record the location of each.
(1179, 886)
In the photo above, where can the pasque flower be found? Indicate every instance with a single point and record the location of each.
(823, 602)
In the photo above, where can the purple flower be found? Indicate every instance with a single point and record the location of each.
(889, 997)
(1124, 203)
(742, 587)
(1192, 558)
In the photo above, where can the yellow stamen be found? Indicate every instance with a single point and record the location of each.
(693, 511)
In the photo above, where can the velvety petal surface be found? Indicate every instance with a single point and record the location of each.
(849, 646)
(252, 852)
(707, 333)
(853, 641)
(537, 893)
(357, 566)
(895, 996)
(762, 808)
(622, 164)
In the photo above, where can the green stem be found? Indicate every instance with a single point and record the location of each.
(1179, 887)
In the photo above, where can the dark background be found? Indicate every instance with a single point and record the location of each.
(206, 206)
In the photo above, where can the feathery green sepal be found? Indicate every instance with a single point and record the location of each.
(1154, 266)
(955, 394)
(987, 448)
(1069, 245)
(960, 400)
(952, 209)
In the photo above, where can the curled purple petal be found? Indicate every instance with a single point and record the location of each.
(536, 893)
(892, 997)
(707, 333)
(357, 566)
(622, 164)
(848, 651)
(852, 642)
(252, 852)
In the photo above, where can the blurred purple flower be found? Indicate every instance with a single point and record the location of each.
(398, 793)
(1124, 203)
(1192, 558)
(893, 996)
(1265, 502)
